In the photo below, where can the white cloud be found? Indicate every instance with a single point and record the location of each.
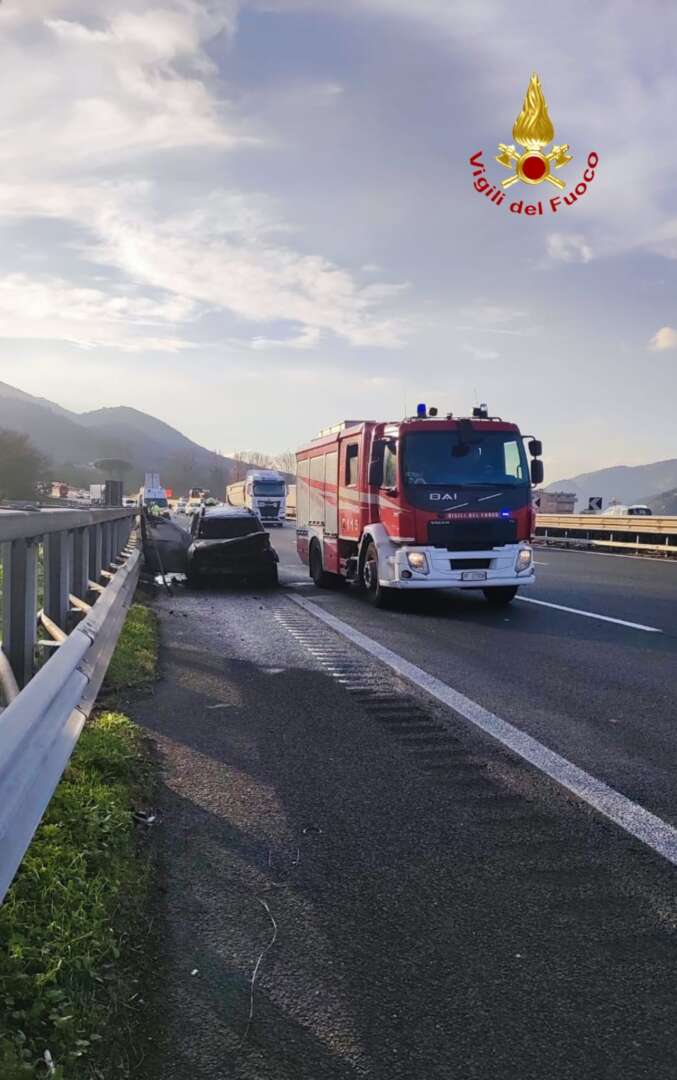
(307, 339)
(568, 247)
(52, 309)
(484, 313)
(479, 353)
(115, 89)
(489, 318)
(665, 338)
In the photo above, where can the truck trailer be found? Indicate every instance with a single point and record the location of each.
(264, 492)
(153, 497)
(422, 503)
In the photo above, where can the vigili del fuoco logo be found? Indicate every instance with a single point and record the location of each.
(533, 131)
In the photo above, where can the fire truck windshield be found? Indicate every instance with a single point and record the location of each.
(268, 487)
(443, 458)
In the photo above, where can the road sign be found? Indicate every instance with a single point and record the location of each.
(595, 503)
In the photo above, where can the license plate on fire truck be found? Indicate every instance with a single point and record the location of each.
(474, 575)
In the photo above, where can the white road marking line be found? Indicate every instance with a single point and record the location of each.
(591, 615)
(628, 815)
(537, 563)
(612, 555)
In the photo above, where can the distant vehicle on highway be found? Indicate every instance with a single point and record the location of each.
(264, 492)
(181, 505)
(636, 510)
(193, 506)
(230, 543)
(291, 501)
(423, 503)
(153, 497)
(129, 501)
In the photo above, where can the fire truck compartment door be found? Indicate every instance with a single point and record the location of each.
(350, 522)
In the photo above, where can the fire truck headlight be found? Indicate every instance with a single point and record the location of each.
(524, 560)
(418, 561)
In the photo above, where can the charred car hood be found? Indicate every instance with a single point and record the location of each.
(251, 545)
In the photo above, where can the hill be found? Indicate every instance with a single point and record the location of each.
(624, 483)
(73, 441)
(664, 504)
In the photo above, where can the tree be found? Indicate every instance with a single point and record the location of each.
(22, 466)
(255, 458)
(217, 481)
(250, 459)
(114, 467)
(286, 462)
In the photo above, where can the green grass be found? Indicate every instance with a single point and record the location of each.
(73, 924)
(135, 658)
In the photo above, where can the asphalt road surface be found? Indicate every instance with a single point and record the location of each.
(411, 899)
(603, 694)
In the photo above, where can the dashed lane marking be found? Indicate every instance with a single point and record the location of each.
(634, 819)
(591, 615)
(666, 560)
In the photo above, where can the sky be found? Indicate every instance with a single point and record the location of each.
(253, 218)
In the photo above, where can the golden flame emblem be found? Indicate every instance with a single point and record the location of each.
(533, 129)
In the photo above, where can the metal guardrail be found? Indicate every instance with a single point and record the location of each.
(68, 554)
(640, 535)
(91, 568)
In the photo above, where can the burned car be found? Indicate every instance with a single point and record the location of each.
(230, 543)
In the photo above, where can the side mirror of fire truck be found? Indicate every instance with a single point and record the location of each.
(535, 447)
(537, 472)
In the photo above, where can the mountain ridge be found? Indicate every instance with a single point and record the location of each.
(625, 483)
(73, 441)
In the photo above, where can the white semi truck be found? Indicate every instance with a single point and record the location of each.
(153, 496)
(264, 491)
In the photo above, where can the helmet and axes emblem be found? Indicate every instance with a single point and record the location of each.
(533, 130)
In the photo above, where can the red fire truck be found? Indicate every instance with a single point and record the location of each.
(425, 503)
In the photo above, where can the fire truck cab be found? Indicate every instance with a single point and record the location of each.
(422, 503)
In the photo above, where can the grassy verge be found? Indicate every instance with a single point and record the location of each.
(135, 658)
(73, 923)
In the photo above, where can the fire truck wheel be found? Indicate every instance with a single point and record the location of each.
(322, 579)
(379, 596)
(500, 596)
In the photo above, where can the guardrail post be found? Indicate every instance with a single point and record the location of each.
(20, 602)
(57, 577)
(117, 539)
(106, 543)
(95, 553)
(109, 529)
(80, 563)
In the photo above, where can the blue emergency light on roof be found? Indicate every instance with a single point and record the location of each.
(421, 410)
(505, 513)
